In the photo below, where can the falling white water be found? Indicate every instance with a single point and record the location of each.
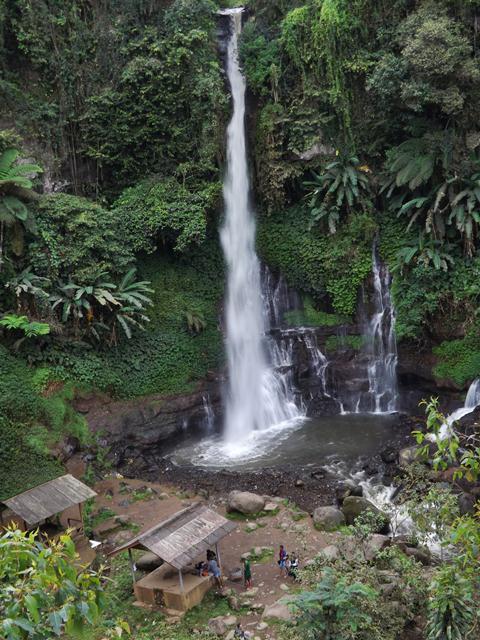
(472, 401)
(380, 346)
(209, 419)
(257, 398)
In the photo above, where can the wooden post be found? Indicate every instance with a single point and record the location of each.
(180, 578)
(219, 560)
(132, 565)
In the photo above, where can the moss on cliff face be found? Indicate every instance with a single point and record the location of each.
(329, 268)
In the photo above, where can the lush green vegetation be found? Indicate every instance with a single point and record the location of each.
(369, 109)
(363, 124)
(42, 591)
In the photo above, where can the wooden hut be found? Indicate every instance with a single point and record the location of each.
(51, 507)
(178, 542)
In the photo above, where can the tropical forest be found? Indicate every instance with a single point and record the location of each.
(240, 319)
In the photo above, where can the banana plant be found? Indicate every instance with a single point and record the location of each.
(133, 299)
(342, 186)
(30, 290)
(425, 251)
(100, 290)
(15, 187)
(465, 211)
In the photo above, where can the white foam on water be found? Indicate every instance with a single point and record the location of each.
(217, 453)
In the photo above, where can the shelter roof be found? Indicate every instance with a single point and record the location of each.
(49, 498)
(184, 536)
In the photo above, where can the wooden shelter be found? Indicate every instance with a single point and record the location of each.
(61, 497)
(178, 542)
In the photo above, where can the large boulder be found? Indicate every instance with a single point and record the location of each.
(407, 456)
(328, 518)
(217, 626)
(466, 504)
(245, 502)
(148, 562)
(330, 553)
(278, 611)
(353, 506)
(421, 554)
(374, 544)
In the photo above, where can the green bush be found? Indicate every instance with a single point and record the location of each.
(459, 360)
(23, 464)
(168, 357)
(335, 343)
(77, 239)
(30, 425)
(165, 210)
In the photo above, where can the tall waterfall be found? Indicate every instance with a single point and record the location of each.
(258, 397)
(380, 345)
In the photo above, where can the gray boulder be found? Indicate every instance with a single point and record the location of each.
(278, 611)
(328, 518)
(217, 626)
(148, 562)
(329, 553)
(245, 502)
(353, 506)
(466, 504)
(407, 456)
(421, 554)
(374, 544)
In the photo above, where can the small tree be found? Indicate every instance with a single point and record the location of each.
(42, 591)
(334, 610)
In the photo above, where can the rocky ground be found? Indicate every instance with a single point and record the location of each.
(124, 507)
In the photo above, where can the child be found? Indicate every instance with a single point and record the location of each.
(247, 573)
(282, 559)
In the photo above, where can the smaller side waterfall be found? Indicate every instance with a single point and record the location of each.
(209, 415)
(473, 395)
(472, 401)
(380, 345)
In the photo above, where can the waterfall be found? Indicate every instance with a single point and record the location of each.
(209, 419)
(257, 396)
(380, 346)
(473, 395)
(472, 401)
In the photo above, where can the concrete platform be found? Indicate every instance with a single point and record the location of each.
(161, 588)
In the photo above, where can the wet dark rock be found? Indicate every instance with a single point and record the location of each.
(421, 554)
(389, 455)
(466, 503)
(345, 490)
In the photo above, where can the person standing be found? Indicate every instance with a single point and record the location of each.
(247, 573)
(282, 559)
(214, 570)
